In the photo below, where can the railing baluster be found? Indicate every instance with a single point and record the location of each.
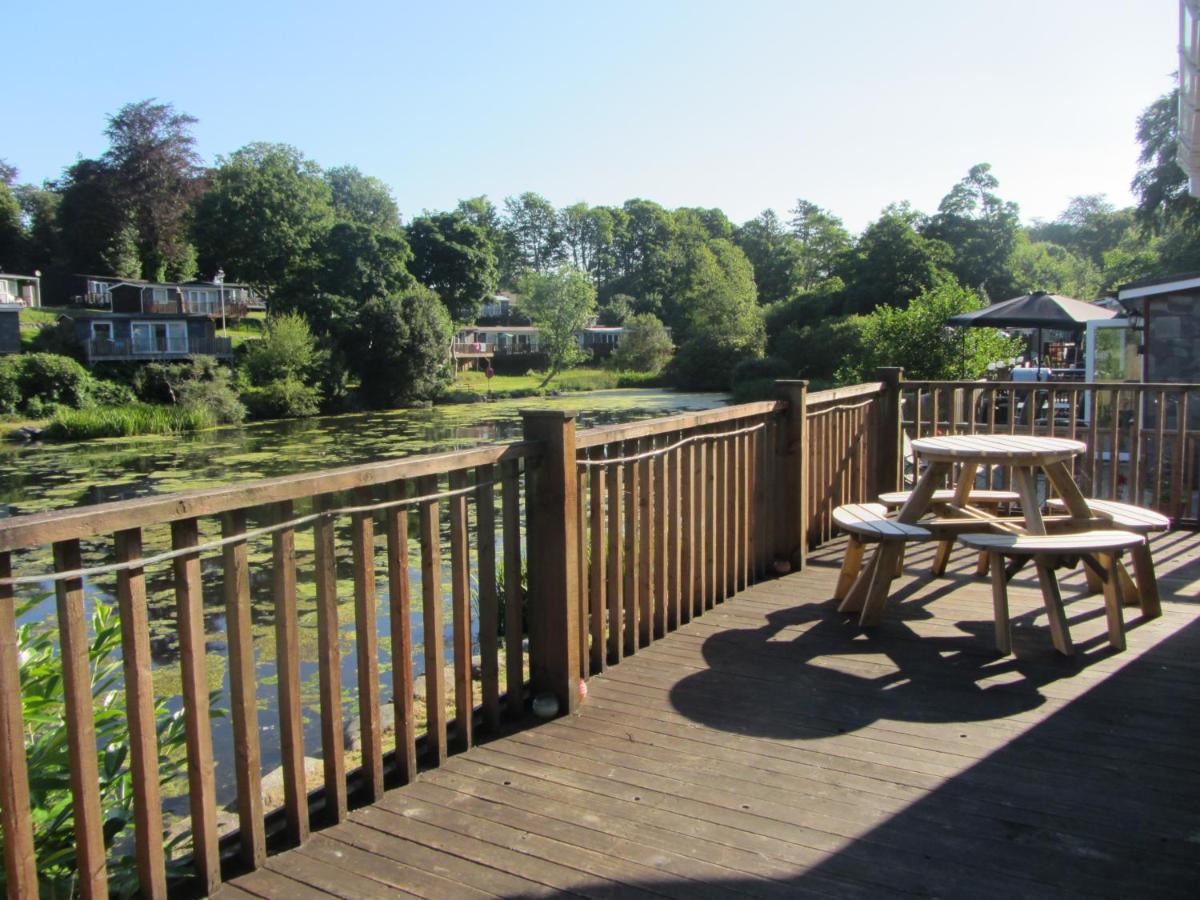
(616, 559)
(366, 643)
(287, 667)
(139, 705)
(247, 759)
(738, 508)
(1115, 442)
(687, 532)
(581, 571)
(431, 596)
(514, 660)
(20, 864)
(675, 544)
(661, 602)
(646, 550)
(1180, 502)
(701, 512)
(201, 788)
(632, 551)
(1157, 500)
(400, 621)
(329, 662)
(596, 601)
(460, 594)
(1135, 457)
(1093, 442)
(489, 608)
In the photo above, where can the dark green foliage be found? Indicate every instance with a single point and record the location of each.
(399, 348)
(282, 398)
(362, 262)
(891, 263)
(97, 230)
(1160, 184)
(776, 255)
(754, 379)
(264, 215)
(201, 383)
(455, 259)
(59, 338)
(362, 200)
(36, 383)
(817, 351)
(981, 230)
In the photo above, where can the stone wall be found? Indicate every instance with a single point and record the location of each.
(1173, 338)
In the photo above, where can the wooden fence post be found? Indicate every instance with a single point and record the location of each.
(795, 457)
(552, 508)
(891, 456)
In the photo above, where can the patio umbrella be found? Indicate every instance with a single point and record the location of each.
(1037, 310)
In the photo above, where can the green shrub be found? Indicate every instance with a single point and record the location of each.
(52, 380)
(201, 383)
(48, 756)
(645, 347)
(10, 384)
(282, 398)
(109, 393)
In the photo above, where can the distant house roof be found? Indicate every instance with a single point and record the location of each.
(1159, 284)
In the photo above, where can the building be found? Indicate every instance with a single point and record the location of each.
(1166, 310)
(485, 342)
(17, 292)
(218, 298)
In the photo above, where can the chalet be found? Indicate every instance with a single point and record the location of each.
(484, 342)
(218, 299)
(149, 336)
(16, 293)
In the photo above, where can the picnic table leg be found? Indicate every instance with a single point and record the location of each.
(1147, 582)
(1095, 584)
(1022, 478)
(1000, 603)
(1129, 591)
(982, 564)
(1112, 601)
(1060, 476)
(853, 601)
(881, 580)
(1051, 596)
(962, 493)
(850, 567)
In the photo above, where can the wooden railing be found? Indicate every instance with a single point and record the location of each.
(1143, 440)
(623, 533)
(107, 349)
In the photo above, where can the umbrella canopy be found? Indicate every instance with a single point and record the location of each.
(1036, 310)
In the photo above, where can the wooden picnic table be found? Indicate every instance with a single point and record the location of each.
(1024, 455)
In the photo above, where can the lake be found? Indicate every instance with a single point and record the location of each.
(64, 475)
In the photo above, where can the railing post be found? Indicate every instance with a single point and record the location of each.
(794, 467)
(552, 507)
(889, 470)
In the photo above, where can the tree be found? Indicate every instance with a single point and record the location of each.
(266, 209)
(981, 230)
(155, 167)
(1051, 267)
(362, 262)
(98, 232)
(560, 304)
(1160, 183)
(919, 339)
(823, 240)
(362, 199)
(456, 260)
(39, 209)
(645, 346)
(1090, 226)
(482, 213)
(398, 348)
(12, 234)
(532, 225)
(715, 316)
(776, 255)
(587, 235)
(891, 264)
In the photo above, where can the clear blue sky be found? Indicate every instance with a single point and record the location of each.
(741, 105)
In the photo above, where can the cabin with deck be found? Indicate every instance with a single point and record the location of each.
(17, 292)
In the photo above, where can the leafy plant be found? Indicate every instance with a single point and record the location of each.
(47, 751)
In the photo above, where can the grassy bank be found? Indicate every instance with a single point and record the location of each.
(469, 387)
(125, 421)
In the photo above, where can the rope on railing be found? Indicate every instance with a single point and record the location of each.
(843, 408)
(661, 450)
(195, 549)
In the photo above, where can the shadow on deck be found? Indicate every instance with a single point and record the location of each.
(772, 748)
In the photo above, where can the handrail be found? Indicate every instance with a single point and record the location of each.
(818, 398)
(607, 434)
(1055, 385)
(19, 532)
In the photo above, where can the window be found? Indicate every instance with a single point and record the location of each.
(159, 337)
(202, 301)
(102, 331)
(98, 287)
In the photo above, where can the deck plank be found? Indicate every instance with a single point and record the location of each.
(772, 748)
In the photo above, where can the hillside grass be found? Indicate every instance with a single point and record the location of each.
(471, 386)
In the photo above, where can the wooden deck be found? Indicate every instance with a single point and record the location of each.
(774, 749)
